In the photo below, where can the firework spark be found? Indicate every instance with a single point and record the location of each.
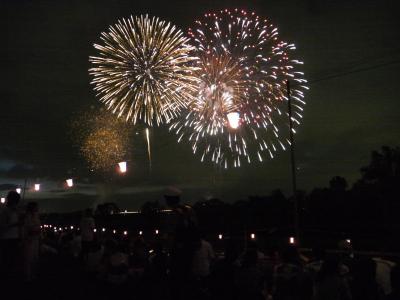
(243, 67)
(143, 71)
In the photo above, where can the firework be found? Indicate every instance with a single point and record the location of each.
(143, 72)
(239, 110)
(103, 139)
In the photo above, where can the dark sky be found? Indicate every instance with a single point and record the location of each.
(351, 55)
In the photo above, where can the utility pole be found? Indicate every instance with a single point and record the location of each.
(293, 166)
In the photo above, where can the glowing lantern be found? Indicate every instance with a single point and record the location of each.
(3, 200)
(70, 182)
(291, 240)
(18, 190)
(122, 166)
(233, 120)
(253, 236)
(37, 186)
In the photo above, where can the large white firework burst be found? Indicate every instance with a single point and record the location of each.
(243, 68)
(142, 72)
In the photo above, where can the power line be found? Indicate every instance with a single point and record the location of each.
(354, 71)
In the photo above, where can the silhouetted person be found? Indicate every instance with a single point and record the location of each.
(363, 284)
(156, 273)
(31, 238)
(203, 256)
(290, 280)
(318, 257)
(223, 276)
(249, 277)
(87, 232)
(10, 237)
(329, 284)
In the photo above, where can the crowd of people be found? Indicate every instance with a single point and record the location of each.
(183, 264)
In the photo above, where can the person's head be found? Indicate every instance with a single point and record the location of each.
(329, 268)
(158, 247)
(88, 212)
(32, 207)
(290, 254)
(250, 258)
(231, 250)
(12, 199)
(318, 253)
(172, 201)
(172, 196)
(252, 245)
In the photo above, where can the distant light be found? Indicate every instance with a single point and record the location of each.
(3, 200)
(140, 232)
(122, 166)
(18, 190)
(37, 187)
(291, 240)
(95, 230)
(349, 241)
(233, 120)
(220, 236)
(156, 231)
(125, 232)
(70, 182)
(72, 227)
(50, 225)
(253, 236)
(151, 251)
(114, 231)
(103, 230)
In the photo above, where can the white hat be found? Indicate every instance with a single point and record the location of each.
(172, 191)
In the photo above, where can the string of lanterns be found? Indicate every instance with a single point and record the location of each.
(122, 169)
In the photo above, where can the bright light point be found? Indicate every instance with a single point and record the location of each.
(37, 186)
(70, 182)
(114, 231)
(122, 166)
(220, 236)
(140, 232)
(18, 190)
(253, 236)
(95, 230)
(156, 231)
(125, 232)
(349, 241)
(291, 240)
(72, 227)
(233, 119)
(103, 230)
(3, 200)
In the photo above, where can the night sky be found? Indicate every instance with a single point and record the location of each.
(351, 55)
